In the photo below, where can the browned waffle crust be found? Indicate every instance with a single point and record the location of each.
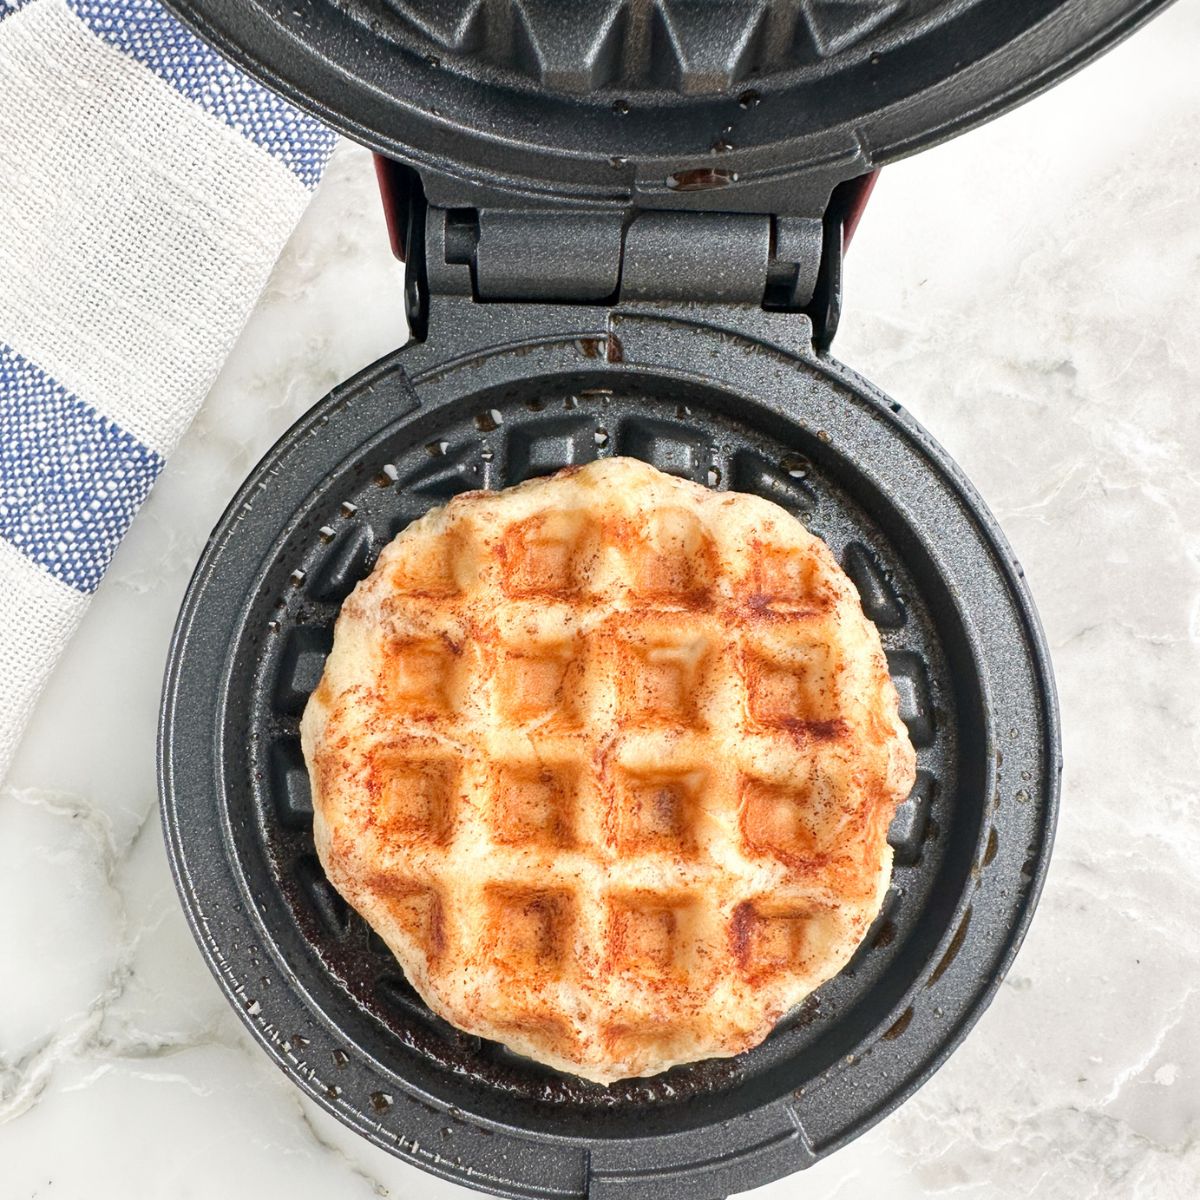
(608, 760)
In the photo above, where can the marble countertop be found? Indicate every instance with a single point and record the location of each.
(1031, 292)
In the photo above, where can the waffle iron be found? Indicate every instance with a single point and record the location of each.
(623, 224)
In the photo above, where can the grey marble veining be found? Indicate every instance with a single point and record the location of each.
(1032, 293)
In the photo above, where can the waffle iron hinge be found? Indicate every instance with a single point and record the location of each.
(781, 263)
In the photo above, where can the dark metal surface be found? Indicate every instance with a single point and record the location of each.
(784, 263)
(500, 394)
(729, 104)
(569, 256)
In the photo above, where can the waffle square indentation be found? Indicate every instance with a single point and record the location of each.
(300, 666)
(421, 676)
(649, 932)
(417, 910)
(548, 554)
(550, 445)
(535, 804)
(531, 929)
(907, 832)
(540, 683)
(670, 557)
(666, 676)
(784, 820)
(658, 811)
(911, 678)
(290, 784)
(416, 796)
(329, 905)
(345, 563)
(800, 689)
(431, 567)
(783, 577)
(766, 940)
(676, 448)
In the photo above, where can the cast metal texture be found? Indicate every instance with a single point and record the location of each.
(726, 398)
(734, 105)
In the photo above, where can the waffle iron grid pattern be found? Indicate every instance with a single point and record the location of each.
(498, 447)
(641, 43)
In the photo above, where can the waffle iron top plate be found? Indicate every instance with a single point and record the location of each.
(595, 100)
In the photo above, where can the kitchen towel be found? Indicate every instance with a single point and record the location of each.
(146, 189)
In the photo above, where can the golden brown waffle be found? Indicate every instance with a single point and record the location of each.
(608, 760)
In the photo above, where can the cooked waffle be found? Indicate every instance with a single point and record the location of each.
(608, 761)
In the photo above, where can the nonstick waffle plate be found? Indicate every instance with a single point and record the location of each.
(323, 994)
(611, 98)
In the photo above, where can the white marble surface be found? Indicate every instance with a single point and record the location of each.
(1032, 293)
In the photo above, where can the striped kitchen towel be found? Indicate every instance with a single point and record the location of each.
(146, 189)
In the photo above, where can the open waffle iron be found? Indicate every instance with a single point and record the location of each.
(622, 222)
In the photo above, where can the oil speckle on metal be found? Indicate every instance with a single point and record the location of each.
(952, 950)
(885, 935)
(796, 465)
(700, 179)
(902, 1023)
(993, 845)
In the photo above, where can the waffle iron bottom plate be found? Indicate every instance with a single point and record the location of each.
(323, 995)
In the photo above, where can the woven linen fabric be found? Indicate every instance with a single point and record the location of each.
(146, 189)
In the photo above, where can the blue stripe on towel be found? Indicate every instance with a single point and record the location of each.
(10, 6)
(147, 33)
(70, 479)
